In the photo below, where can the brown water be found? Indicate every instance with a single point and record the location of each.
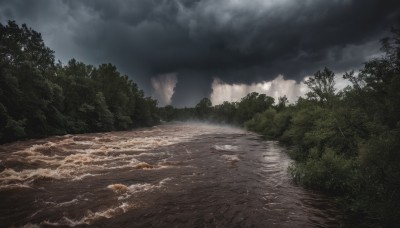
(182, 175)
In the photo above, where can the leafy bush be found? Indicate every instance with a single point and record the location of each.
(380, 169)
(329, 171)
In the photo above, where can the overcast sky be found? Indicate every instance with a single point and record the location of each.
(182, 50)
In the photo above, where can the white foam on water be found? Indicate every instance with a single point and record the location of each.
(165, 180)
(81, 177)
(84, 142)
(141, 188)
(62, 204)
(81, 156)
(13, 186)
(226, 147)
(231, 158)
(91, 217)
(127, 191)
(152, 154)
(74, 201)
(76, 167)
(10, 175)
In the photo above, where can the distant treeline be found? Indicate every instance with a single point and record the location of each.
(344, 142)
(39, 97)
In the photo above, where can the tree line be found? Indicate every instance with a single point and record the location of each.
(39, 97)
(346, 143)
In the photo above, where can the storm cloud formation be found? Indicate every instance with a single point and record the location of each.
(236, 41)
(163, 88)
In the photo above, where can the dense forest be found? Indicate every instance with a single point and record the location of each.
(39, 97)
(346, 143)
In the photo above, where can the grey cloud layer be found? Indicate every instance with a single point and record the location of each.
(234, 40)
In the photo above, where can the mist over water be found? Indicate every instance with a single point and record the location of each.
(185, 175)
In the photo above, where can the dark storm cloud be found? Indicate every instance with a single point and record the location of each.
(234, 40)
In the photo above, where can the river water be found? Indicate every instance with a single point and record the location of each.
(175, 175)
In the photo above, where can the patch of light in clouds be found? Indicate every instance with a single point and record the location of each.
(342, 83)
(222, 91)
(163, 87)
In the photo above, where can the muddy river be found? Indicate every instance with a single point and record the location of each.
(174, 175)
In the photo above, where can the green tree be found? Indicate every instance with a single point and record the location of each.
(203, 108)
(29, 98)
(225, 112)
(322, 85)
(251, 104)
(282, 102)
